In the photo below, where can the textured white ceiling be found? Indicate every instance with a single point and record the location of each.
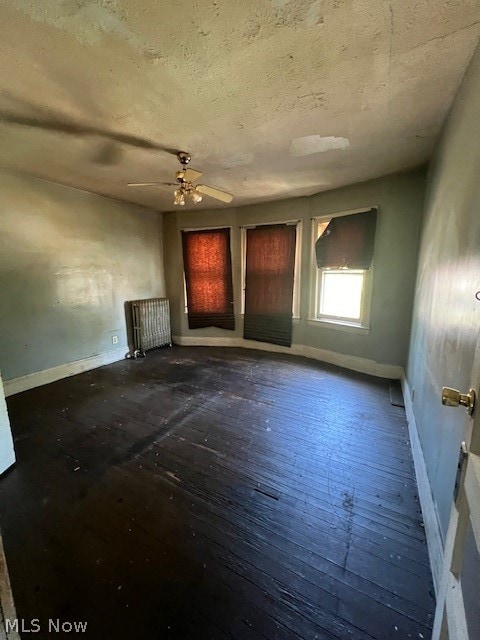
(273, 98)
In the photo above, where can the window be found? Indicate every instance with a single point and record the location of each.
(297, 267)
(341, 294)
(342, 259)
(208, 278)
(269, 283)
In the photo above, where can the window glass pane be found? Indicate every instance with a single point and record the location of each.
(341, 294)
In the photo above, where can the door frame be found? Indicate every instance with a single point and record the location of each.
(450, 615)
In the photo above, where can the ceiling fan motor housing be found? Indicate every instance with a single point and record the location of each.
(184, 157)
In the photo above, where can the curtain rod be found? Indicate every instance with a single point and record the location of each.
(270, 224)
(222, 226)
(337, 214)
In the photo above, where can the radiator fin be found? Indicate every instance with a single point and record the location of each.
(151, 324)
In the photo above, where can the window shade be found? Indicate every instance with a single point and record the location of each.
(270, 265)
(348, 241)
(208, 278)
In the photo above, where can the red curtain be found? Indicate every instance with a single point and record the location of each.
(208, 276)
(270, 268)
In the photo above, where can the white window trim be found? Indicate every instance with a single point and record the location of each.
(347, 328)
(342, 324)
(297, 268)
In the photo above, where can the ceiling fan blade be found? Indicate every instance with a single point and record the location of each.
(152, 184)
(191, 174)
(61, 125)
(214, 193)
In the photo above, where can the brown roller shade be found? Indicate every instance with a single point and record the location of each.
(348, 241)
(208, 276)
(269, 278)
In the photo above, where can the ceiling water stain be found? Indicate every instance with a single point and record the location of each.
(313, 16)
(237, 160)
(309, 145)
(87, 21)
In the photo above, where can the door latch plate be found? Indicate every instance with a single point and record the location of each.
(462, 459)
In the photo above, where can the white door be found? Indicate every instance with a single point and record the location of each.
(458, 604)
(7, 455)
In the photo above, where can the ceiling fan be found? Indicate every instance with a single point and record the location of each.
(186, 190)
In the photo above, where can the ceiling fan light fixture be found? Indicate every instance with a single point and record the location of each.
(179, 197)
(195, 196)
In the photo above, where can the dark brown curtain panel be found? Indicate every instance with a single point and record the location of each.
(347, 242)
(208, 275)
(269, 277)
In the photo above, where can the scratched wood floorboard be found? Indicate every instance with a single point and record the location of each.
(216, 493)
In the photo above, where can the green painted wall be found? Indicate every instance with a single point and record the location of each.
(446, 317)
(68, 262)
(400, 199)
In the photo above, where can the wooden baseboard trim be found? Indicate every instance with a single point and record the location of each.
(354, 363)
(32, 380)
(429, 511)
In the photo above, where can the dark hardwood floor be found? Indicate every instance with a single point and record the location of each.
(216, 493)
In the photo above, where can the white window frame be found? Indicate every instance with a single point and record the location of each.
(362, 325)
(297, 268)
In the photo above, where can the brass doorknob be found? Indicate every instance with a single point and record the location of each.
(453, 398)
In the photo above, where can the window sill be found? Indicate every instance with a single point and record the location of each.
(349, 327)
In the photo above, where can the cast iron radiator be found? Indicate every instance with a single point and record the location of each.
(151, 324)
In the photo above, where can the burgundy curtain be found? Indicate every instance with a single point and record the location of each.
(208, 276)
(347, 242)
(270, 268)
